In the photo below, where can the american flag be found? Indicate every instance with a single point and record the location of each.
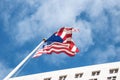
(60, 42)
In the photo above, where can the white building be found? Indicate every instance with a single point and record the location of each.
(109, 71)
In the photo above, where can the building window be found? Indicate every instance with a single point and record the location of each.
(62, 77)
(95, 73)
(111, 78)
(93, 79)
(78, 75)
(113, 71)
(47, 79)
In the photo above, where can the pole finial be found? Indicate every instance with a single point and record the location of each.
(44, 40)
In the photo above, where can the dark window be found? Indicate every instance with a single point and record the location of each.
(78, 75)
(62, 77)
(111, 78)
(47, 79)
(113, 71)
(95, 73)
(93, 79)
(114, 77)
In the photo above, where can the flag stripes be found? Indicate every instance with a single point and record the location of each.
(57, 48)
(66, 46)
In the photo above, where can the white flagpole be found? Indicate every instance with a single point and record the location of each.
(22, 62)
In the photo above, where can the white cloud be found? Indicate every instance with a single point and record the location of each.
(83, 39)
(51, 15)
(54, 14)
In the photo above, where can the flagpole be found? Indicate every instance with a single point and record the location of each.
(22, 62)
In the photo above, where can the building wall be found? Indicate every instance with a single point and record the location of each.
(108, 71)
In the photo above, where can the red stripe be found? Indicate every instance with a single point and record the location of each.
(59, 33)
(57, 44)
(67, 36)
(68, 28)
(57, 47)
(77, 50)
(72, 45)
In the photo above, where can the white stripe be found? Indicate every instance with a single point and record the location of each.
(68, 39)
(74, 48)
(58, 43)
(75, 30)
(68, 31)
(38, 53)
(63, 34)
(57, 46)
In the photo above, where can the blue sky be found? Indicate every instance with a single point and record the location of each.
(24, 23)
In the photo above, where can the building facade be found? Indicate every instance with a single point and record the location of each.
(107, 71)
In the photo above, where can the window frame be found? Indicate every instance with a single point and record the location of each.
(112, 78)
(114, 70)
(47, 78)
(78, 75)
(63, 77)
(95, 73)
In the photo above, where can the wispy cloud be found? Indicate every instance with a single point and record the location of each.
(56, 59)
(3, 70)
(118, 53)
(104, 55)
